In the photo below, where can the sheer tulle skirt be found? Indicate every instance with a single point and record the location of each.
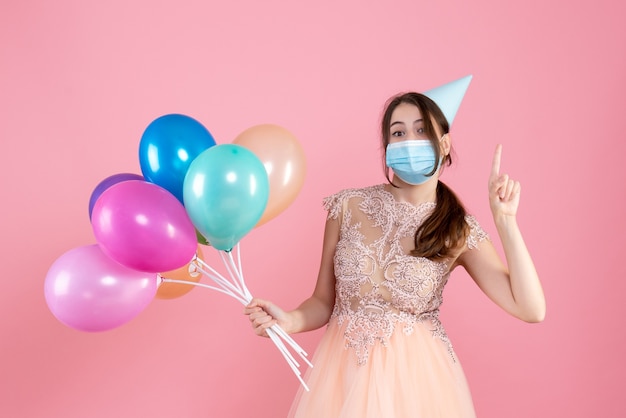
(414, 376)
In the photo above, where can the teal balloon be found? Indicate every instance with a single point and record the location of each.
(225, 193)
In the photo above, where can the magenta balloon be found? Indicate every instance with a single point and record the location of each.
(88, 291)
(144, 227)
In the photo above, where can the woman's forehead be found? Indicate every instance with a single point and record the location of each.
(406, 111)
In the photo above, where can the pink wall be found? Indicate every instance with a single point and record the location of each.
(80, 80)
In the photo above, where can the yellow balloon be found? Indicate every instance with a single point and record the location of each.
(284, 161)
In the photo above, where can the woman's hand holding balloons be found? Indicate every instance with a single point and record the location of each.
(148, 228)
(149, 225)
(264, 314)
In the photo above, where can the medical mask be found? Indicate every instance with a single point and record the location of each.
(411, 160)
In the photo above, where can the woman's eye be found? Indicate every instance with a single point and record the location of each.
(397, 133)
(420, 130)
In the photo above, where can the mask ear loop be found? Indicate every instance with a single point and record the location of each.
(441, 156)
(442, 139)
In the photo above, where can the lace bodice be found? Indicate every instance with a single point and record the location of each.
(379, 285)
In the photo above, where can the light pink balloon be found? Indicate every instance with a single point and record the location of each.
(143, 226)
(88, 291)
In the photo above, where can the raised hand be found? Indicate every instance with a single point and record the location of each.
(504, 193)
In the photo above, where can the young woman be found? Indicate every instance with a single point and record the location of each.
(387, 254)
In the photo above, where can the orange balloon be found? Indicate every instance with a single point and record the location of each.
(188, 273)
(284, 161)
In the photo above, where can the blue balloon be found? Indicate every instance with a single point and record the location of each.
(168, 146)
(225, 191)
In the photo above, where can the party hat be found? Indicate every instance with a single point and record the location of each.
(449, 96)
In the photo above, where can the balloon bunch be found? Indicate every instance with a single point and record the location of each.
(151, 228)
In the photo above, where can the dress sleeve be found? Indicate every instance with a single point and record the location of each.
(333, 205)
(477, 233)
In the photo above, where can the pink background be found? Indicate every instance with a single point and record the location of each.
(80, 81)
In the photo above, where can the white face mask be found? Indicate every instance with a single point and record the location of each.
(412, 160)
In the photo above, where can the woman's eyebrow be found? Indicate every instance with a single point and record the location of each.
(398, 122)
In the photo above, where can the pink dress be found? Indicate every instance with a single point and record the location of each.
(385, 353)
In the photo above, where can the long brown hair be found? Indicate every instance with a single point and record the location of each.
(444, 232)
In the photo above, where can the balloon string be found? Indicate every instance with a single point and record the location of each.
(236, 288)
(214, 275)
(279, 331)
(237, 268)
(226, 285)
(205, 265)
(236, 249)
(290, 361)
(206, 286)
(283, 348)
(233, 274)
(237, 275)
(239, 260)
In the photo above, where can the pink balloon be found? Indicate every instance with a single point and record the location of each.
(88, 291)
(143, 226)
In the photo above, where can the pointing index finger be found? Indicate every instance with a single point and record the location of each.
(495, 166)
